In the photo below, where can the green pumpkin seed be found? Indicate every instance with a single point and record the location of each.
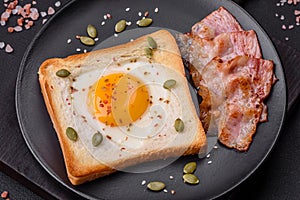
(71, 133)
(179, 125)
(97, 139)
(87, 40)
(145, 22)
(63, 73)
(120, 26)
(169, 84)
(148, 52)
(156, 186)
(190, 168)
(92, 31)
(190, 179)
(152, 43)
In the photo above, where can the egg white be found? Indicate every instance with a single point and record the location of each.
(150, 132)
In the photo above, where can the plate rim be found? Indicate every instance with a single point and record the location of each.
(82, 194)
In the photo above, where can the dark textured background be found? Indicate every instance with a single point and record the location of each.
(277, 178)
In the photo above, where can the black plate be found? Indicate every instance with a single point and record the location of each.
(228, 167)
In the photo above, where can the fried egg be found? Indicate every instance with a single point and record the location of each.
(127, 103)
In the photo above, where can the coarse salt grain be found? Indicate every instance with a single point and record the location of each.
(173, 192)
(18, 28)
(2, 44)
(282, 17)
(4, 194)
(286, 38)
(8, 49)
(131, 40)
(128, 23)
(43, 14)
(296, 12)
(276, 15)
(44, 21)
(50, 11)
(143, 182)
(291, 26)
(283, 27)
(33, 2)
(57, 4)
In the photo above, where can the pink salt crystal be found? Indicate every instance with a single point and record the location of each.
(297, 12)
(2, 44)
(51, 11)
(283, 27)
(18, 28)
(34, 14)
(8, 49)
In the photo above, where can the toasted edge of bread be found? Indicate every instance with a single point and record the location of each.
(80, 165)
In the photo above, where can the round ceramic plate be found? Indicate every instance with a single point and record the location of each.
(228, 167)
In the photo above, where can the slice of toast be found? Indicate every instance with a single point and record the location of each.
(80, 163)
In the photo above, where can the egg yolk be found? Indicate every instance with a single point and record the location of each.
(120, 99)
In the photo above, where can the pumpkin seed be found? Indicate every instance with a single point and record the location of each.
(148, 52)
(156, 186)
(190, 168)
(152, 43)
(169, 84)
(63, 73)
(179, 125)
(92, 31)
(145, 22)
(71, 133)
(190, 179)
(120, 26)
(87, 40)
(97, 139)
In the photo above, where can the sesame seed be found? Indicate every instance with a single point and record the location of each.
(291, 26)
(156, 10)
(283, 27)
(96, 39)
(215, 147)
(84, 51)
(137, 22)
(69, 41)
(131, 40)
(139, 13)
(209, 162)
(165, 190)
(171, 177)
(276, 15)
(282, 17)
(128, 23)
(78, 49)
(208, 155)
(143, 182)
(127, 9)
(102, 23)
(33, 2)
(116, 35)
(105, 17)
(286, 38)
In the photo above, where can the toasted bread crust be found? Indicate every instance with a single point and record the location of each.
(80, 165)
